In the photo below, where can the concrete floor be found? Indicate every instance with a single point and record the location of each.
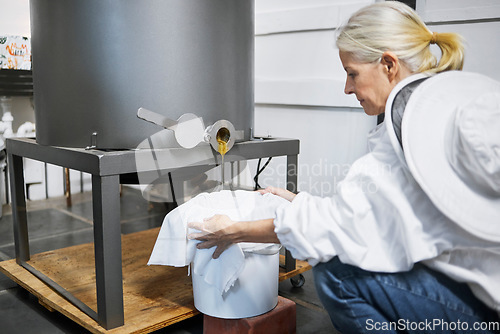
(53, 225)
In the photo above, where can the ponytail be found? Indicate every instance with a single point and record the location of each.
(452, 52)
(393, 26)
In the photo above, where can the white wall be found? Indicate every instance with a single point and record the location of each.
(477, 21)
(15, 18)
(299, 90)
(299, 80)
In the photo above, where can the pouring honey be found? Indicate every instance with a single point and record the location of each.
(222, 149)
(222, 137)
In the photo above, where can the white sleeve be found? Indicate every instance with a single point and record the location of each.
(369, 222)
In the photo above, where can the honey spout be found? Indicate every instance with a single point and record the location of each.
(223, 136)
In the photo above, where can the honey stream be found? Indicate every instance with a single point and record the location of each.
(222, 148)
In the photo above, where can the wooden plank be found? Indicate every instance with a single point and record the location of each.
(300, 267)
(154, 296)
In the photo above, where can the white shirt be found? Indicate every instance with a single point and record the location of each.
(380, 220)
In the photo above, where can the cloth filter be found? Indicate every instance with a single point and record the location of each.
(172, 248)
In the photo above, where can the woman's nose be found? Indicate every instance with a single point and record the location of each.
(349, 88)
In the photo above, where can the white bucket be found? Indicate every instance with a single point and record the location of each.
(254, 292)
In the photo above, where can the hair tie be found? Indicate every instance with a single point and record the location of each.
(434, 38)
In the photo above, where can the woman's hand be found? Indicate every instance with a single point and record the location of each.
(288, 195)
(215, 231)
(222, 232)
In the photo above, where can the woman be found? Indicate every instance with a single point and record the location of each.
(368, 244)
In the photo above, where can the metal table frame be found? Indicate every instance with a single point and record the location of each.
(106, 168)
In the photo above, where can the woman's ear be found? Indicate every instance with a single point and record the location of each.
(391, 64)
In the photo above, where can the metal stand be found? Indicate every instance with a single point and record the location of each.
(106, 168)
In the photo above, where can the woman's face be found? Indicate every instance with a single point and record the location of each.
(369, 82)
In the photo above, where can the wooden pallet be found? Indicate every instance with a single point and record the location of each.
(154, 296)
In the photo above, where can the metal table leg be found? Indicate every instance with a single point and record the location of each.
(19, 216)
(108, 250)
(291, 185)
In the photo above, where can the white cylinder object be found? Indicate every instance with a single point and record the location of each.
(255, 291)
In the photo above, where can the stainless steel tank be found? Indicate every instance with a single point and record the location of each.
(95, 62)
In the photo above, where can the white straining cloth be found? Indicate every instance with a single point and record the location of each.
(172, 248)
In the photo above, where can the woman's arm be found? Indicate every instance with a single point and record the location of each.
(283, 193)
(222, 232)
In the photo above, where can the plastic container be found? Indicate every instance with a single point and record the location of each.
(255, 291)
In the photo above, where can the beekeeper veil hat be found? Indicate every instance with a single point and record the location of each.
(450, 136)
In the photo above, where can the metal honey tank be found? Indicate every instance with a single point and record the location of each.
(96, 62)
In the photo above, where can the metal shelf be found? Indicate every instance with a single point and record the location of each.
(16, 82)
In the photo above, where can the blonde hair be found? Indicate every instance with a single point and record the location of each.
(394, 26)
